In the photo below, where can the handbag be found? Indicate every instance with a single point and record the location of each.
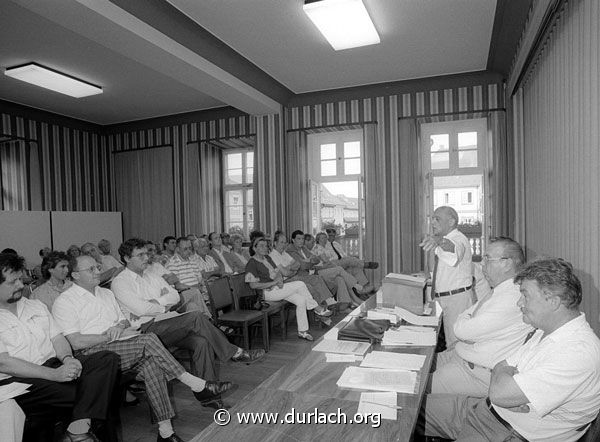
(364, 330)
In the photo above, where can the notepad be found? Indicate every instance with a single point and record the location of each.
(345, 347)
(400, 381)
(387, 402)
(404, 337)
(337, 357)
(382, 359)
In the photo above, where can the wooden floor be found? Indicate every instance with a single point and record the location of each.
(191, 417)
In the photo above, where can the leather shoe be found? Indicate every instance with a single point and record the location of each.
(216, 403)
(85, 437)
(360, 294)
(249, 356)
(371, 265)
(212, 390)
(172, 438)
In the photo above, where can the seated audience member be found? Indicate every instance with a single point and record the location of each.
(106, 274)
(262, 274)
(12, 421)
(144, 296)
(189, 273)
(481, 287)
(253, 236)
(238, 250)
(73, 251)
(55, 269)
(225, 240)
(487, 332)
(208, 265)
(343, 283)
(108, 261)
(549, 389)
(289, 267)
(33, 351)
(169, 245)
(36, 272)
(309, 241)
(92, 321)
(157, 268)
(227, 261)
(331, 252)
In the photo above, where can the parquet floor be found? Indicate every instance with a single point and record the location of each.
(191, 417)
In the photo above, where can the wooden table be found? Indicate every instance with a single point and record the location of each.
(310, 383)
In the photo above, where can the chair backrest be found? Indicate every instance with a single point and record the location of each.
(219, 293)
(240, 288)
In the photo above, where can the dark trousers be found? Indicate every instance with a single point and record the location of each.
(193, 331)
(88, 396)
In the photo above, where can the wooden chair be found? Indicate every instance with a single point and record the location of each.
(224, 312)
(243, 295)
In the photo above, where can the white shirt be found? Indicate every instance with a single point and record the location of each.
(28, 334)
(78, 311)
(109, 262)
(134, 292)
(329, 247)
(560, 375)
(454, 270)
(207, 264)
(496, 331)
(156, 268)
(281, 259)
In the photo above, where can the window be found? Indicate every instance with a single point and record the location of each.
(336, 186)
(238, 179)
(455, 165)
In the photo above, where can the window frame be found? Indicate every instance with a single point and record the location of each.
(244, 187)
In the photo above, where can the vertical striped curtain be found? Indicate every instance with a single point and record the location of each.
(298, 197)
(501, 176)
(20, 172)
(204, 205)
(561, 129)
(145, 194)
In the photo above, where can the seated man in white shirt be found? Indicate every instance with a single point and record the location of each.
(92, 321)
(145, 299)
(228, 262)
(487, 332)
(549, 389)
(33, 351)
(106, 273)
(169, 246)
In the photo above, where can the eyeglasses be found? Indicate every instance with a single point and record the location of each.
(92, 269)
(486, 258)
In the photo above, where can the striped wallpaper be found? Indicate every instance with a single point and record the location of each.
(561, 128)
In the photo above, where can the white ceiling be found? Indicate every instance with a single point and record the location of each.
(147, 69)
(419, 38)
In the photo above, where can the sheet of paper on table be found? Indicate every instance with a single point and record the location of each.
(345, 347)
(383, 359)
(411, 318)
(337, 357)
(409, 337)
(400, 381)
(12, 390)
(387, 399)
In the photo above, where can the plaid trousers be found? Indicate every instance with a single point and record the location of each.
(155, 365)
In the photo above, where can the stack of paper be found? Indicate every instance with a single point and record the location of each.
(414, 336)
(383, 313)
(12, 390)
(400, 381)
(337, 357)
(345, 347)
(383, 403)
(411, 318)
(382, 359)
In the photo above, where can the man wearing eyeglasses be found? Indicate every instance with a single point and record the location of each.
(549, 388)
(452, 273)
(487, 332)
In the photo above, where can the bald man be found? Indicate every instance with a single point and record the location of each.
(453, 273)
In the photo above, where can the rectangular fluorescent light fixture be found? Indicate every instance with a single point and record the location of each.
(50, 79)
(344, 23)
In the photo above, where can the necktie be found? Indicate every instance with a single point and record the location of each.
(336, 252)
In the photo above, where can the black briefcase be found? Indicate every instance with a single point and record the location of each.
(364, 330)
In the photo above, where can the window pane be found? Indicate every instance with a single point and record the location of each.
(234, 197)
(328, 168)
(327, 151)
(235, 227)
(467, 140)
(440, 160)
(250, 212)
(352, 167)
(352, 149)
(250, 175)
(234, 161)
(249, 199)
(467, 159)
(249, 159)
(440, 143)
(234, 176)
